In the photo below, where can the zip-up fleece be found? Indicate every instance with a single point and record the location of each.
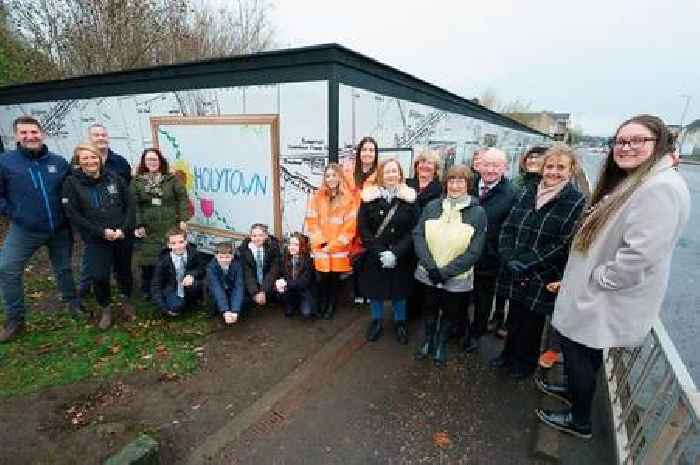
(30, 189)
(96, 204)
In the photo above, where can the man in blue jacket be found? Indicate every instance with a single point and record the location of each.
(99, 137)
(30, 196)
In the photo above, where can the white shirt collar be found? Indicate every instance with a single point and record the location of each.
(173, 257)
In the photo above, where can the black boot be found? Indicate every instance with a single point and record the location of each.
(322, 302)
(443, 335)
(374, 331)
(330, 309)
(401, 332)
(427, 348)
(469, 344)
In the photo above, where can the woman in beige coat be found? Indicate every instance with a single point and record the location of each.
(619, 264)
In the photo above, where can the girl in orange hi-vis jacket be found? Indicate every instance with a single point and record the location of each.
(331, 224)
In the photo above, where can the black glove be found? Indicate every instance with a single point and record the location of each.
(435, 276)
(516, 266)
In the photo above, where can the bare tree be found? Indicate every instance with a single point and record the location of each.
(490, 100)
(96, 36)
(244, 28)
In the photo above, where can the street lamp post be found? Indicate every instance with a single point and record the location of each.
(681, 134)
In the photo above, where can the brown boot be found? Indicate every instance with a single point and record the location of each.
(106, 320)
(129, 311)
(11, 331)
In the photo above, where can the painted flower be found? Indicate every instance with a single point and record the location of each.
(184, 173)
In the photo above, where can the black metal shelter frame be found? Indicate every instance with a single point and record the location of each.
(329, 62)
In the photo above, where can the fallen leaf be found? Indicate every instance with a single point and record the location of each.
(441, 439)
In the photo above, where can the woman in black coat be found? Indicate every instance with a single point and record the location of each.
(102, 209)
(387, 268)
(534, 246)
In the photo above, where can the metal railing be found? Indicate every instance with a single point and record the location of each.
(655, 403)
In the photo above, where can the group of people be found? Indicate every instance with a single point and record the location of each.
(430, 245)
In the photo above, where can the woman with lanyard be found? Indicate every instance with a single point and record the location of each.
(386, 218)
(161, 204)
(616, 276)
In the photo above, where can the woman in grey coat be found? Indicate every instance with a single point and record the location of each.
(618, 268)
(448, 241)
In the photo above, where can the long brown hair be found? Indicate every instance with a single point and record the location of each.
(615, 185)
(357, 174)
(303, 251)
(342, 182)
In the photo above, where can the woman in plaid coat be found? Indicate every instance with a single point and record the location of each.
(534, 246)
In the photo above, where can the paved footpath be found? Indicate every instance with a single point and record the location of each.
(375, 405)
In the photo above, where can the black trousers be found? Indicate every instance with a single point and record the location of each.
(452, 304)
(483, 295)
(581, 365)
(328, 288)
(104, 256)
(414, 304)
(524, 327)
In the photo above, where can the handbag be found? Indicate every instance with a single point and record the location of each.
(359, 252)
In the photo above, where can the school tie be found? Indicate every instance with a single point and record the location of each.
(259, 264)
(180, 275)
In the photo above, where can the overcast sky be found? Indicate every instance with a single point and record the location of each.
(602, 61)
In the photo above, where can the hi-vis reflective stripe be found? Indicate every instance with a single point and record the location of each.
(326, 255)
(351, 215)
(335, 220)
(343, 239)
(312, 214)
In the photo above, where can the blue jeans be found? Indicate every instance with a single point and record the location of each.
(399, 306)
(18, 248)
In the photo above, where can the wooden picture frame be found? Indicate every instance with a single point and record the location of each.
(270, 120)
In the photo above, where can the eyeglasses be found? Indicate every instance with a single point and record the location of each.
(633, 142)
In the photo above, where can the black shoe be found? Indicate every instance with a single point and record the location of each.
(500, 362)
(519, 372)
(11, 330)
(374, 331)
(470, 344)
(75, 310)
(401, 332)
(85, 291)
(427, 348)
(563, 421)
(330, 311)
(558, 391)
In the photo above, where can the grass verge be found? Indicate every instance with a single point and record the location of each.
(56, 350)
